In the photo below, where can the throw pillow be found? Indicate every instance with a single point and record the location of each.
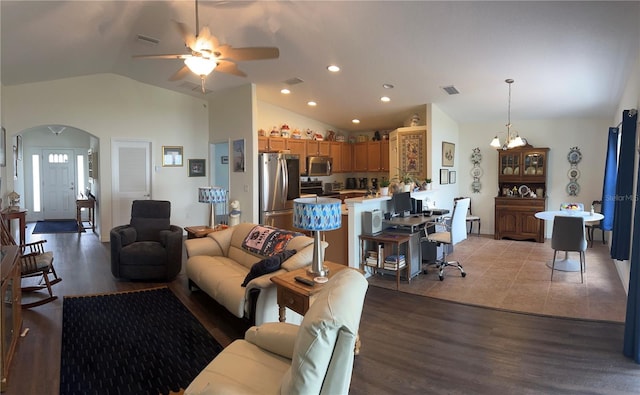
(267, 265)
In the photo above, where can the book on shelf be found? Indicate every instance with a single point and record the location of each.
(394, 259)
(394, 262)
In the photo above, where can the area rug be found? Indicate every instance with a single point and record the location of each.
(141, 342)
(57, 226)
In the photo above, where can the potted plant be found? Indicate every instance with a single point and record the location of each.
(405, 178)
(384, 186)
(428, 181)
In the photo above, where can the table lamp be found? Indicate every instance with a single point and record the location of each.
(212, 195)
(317, 214)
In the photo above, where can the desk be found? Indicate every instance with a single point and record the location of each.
(566, 264)
(297, 296)
(20, 214)
(89, 204)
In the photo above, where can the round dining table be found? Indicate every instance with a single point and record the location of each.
(566, 264)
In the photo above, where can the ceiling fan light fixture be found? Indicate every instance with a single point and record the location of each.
(200, 66)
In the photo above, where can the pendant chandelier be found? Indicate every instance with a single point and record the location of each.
(513, 139)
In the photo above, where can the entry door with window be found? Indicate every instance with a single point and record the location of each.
(58, 184)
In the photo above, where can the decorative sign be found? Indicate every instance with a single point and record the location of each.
(476, 170)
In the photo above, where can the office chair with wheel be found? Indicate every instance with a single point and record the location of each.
(593, 225)
(568, 235)
(456, 231)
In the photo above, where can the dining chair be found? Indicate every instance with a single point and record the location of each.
(569, 236)
(593, 225)
(471, 219)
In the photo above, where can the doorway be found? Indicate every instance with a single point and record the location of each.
(131, 177)
(59, 184)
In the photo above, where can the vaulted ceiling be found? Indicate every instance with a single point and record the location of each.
(569, 59)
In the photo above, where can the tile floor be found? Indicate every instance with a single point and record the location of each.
(513, 275)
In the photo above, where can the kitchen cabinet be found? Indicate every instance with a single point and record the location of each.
(11, 311)
(271, 144)
(338, 249)
(298, 147)
(360, 156)
(522, 173)
(347, 157)
(335, 152)
(378, 155)
(318, 148)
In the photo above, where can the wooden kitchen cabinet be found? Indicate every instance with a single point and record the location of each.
(360, 156)
(271, 144)
(522, 172)
(335, 152)
(338, 249)
(378, 155)
(298, 147)
(318, 148)
(347, 157)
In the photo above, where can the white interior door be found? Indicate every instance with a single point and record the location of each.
(131, 162)
(58, 184)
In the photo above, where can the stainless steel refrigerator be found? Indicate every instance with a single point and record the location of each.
(279, 184)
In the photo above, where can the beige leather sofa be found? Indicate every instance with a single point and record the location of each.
(282, 358)
(218, 263)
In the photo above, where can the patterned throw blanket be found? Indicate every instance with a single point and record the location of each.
(267, 240)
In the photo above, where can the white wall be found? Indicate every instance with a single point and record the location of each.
(590, 135)
(109, 107)
(443, 128)
(232, 118)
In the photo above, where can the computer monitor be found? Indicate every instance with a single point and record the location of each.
(402, 203)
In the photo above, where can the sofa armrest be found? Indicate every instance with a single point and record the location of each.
(276, 337)
(203, 246)
(264, 281)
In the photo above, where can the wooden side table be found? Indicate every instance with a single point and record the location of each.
(395, 240)
(297, 296)
(195, 232)
(89, 204)
(20, 214)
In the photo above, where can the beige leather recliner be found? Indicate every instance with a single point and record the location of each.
(282, 358)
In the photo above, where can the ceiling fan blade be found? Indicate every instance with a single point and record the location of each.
(229, 68)
(180, 74)
(166, 56)
(188, 38)
(250, 53)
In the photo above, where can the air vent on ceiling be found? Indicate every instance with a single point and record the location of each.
(147, 40)
(293, 81)
(452, 90)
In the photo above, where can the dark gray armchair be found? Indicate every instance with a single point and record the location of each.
(149, 248)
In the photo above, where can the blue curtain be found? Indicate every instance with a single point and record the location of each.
(632, 322)
(621, 236)
(609, 184)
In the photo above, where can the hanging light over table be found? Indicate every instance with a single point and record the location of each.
(513, 139)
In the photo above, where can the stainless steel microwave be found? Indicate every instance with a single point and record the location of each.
(319, 166)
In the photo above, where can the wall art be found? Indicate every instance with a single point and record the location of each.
(171, 156)
(448, 154)
(197, 168)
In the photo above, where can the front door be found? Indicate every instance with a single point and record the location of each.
(59, 186)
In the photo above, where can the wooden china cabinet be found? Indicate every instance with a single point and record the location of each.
(522, 174)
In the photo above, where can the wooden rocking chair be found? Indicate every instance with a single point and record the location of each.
(34, 262)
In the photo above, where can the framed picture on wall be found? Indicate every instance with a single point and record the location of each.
(171, 156)
(448, 154)
(197, 167)
(238, 156)
(452, 177)
(444, 176)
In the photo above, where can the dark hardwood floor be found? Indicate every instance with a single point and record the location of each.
(410, 343)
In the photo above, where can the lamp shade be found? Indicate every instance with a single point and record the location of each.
(317, 214)
(200, 65)
(212, 195)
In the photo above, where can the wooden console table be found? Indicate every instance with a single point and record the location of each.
(20, 214)
(89, 204)
(11, 312)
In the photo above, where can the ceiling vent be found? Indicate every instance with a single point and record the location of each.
(293, 81)
(451, 90)
(147, 40)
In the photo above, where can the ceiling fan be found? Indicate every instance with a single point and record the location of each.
(206, 54)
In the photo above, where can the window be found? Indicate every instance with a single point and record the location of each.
(58, 158)
(80, 166)
(35, 165)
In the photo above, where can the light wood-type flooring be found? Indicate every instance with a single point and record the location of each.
(410, 343)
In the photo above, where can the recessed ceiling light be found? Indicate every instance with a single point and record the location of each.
(285, 91)
(312, 103)
(385, 99)
(387, 86)
(333, 68)
(355, 120)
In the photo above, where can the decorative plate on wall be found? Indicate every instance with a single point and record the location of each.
(573, 173)
(573, 188)
(574, 156)
(476, 172)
